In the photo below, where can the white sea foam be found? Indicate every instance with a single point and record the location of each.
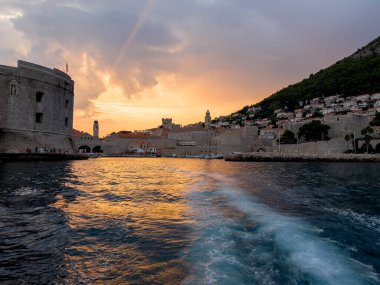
(372, 222)
(24, 191)
(298, 242)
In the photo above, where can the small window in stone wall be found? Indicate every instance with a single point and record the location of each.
(66, 122)
(39, 96)
(67, 104)
(39, 117)
(13, 87)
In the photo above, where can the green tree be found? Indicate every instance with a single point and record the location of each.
(367, 136)
(314, 131)
(353, 75)
(376, 120)
(347, 138)
(317, 114)
(288, 137)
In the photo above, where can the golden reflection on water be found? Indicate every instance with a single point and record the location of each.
(130, 194)
(173, 221)
(129, 216)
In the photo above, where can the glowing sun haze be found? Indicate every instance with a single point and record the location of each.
(134, 62)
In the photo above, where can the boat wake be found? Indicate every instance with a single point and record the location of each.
(243, 241)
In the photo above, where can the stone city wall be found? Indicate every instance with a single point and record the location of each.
(122, 145)
(293, 157)
(20, 142)
(331, 146)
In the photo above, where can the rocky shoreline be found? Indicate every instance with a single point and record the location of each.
(271, 156)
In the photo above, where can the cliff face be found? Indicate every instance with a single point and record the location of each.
(354, 75)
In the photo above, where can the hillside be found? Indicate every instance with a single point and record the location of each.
(353, 75)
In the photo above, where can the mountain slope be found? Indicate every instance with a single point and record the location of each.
(353, 75)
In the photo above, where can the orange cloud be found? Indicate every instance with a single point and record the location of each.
(134, 62)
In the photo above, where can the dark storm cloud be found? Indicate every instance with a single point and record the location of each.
(258, 44)
(282, 40)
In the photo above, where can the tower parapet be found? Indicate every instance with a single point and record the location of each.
(167, 123)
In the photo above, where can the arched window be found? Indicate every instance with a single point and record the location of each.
(13, 87)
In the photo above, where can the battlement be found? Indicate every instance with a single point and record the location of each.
(24, 65)
(10, 70)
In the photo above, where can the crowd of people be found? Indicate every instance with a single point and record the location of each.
(46, 150)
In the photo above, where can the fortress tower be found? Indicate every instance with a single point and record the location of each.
(36, 108)
(167, 123)
(207, 120)
(96, 129)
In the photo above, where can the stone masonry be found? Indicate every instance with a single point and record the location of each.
(36, 109)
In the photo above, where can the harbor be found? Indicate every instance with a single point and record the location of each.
(189, 221)
(273, 156)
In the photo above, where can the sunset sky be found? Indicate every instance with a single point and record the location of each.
(136, 61)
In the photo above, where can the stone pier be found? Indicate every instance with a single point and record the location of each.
(270, 156)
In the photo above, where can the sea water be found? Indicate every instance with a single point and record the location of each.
(189, 221)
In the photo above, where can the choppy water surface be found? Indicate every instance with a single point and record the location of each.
(177, 221)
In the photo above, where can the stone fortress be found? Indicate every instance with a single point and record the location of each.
(37, 116)
(207, 138)
(174, 140)
(36, 109)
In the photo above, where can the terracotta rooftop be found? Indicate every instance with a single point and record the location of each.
(77, 133)
(133, 136)
(186, 130)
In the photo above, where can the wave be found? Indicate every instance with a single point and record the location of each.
(369, 221)
(26, 191)
(242, 241)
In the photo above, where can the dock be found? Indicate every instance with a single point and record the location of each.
(289, 157)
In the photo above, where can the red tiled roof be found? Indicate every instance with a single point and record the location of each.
(142, 142)
(188, 130)
(77, 133)
(133, 136)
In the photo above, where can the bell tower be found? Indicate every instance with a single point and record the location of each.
(207, 120)
(96, 129)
